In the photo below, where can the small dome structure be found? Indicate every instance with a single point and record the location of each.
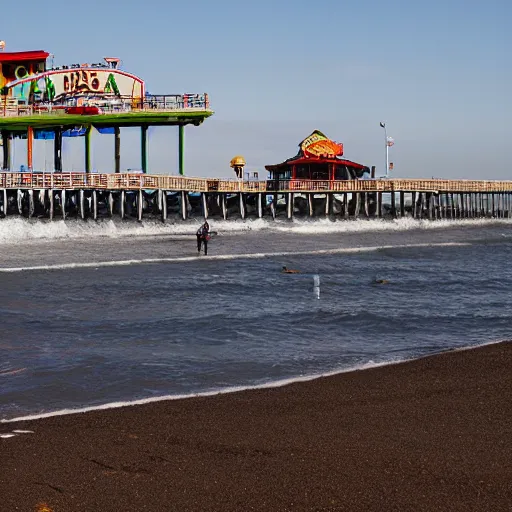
(237, 161)
(237, 164)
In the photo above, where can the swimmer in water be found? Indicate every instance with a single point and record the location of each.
(381, 281)
(289, 271)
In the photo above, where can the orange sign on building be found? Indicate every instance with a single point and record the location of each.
(317, 145)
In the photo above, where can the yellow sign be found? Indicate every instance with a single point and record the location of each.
(318, 145)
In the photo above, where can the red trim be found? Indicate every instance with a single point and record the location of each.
(23, 56)
(302, 160)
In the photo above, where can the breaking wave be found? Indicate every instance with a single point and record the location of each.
(19, 230)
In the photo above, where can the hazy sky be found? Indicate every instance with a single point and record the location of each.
(438, 72)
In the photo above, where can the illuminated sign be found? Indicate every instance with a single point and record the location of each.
(317, 145)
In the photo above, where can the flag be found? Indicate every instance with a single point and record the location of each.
(390, 141)
(382, 124)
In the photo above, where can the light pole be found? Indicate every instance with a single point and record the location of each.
(383, 125)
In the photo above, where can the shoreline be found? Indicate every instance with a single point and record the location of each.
(428, 434)
(235, 389)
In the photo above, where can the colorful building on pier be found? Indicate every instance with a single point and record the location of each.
(319, 158)
(38, 101)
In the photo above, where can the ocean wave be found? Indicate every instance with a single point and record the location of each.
(259, 255)
(18, 230)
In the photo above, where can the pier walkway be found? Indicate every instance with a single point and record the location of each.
(136, 194)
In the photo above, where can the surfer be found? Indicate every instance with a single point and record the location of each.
(203, 235)
(289, 271)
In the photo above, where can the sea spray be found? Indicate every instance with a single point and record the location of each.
(17, 230)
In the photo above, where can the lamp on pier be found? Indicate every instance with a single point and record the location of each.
(238, 164)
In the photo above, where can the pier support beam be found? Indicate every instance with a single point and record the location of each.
(379, 204)
(6, 144)
(111, 203)
(57, 150)
(20, 201)
(204, 201)
(260, 205)
(140, 204)
(423, 204)
(63, 204)
(358, 204)
(242, 205)
(289, 205)
(144, 149)
(50, 200)
(183, 205)
(117, 149)
(345, 205)
(30, 147)
(4, 206)
(82, 203)
(88, 149)
(31, 206)
(393, 205)
(366, 206)
(122, 201)
(163, 205)
(310, 204)
(95, 204)
(328, 202)
(402, 204)
(181, 149)
(223, 206)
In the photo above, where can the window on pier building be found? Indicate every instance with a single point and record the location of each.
(302, 172)
(285, 174)
(342, 172)
(320, 171)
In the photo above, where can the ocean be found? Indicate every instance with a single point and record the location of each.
(98, 314)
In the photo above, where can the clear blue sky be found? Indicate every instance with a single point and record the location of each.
(438, 72)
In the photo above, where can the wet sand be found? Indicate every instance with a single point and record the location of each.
(432, 434)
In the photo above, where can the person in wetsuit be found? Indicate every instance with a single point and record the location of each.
(203, 235)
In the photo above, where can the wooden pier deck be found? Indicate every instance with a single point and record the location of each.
(130, 194)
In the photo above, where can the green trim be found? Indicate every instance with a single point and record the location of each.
(88, 149)
(124, 119)
(117, 149)
(181, 148)
(144, 149)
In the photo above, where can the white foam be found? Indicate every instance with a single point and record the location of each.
(16, 230)
(5, 436)
(231, 389)
(259, 255)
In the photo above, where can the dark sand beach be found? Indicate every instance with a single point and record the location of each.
(432, 434)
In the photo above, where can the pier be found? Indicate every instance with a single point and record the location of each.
(41, 102)
(138, 195)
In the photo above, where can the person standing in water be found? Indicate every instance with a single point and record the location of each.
(203, 235)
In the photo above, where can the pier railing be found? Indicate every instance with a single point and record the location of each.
(137, 181)
(12, 107)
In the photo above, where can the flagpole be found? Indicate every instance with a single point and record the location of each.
(387, 152)
(383, 125)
